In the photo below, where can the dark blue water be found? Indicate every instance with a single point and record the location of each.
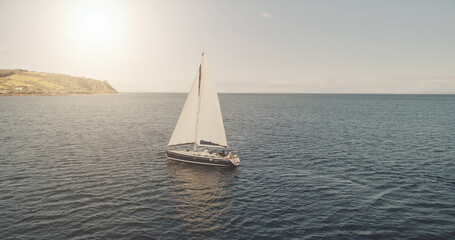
(312, 167)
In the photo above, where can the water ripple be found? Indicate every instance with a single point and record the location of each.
(313, 167)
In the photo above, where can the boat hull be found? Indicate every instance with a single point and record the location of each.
(191, 157)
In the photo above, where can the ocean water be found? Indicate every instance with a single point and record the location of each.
(312, 167)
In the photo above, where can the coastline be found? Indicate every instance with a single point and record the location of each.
(48, 95)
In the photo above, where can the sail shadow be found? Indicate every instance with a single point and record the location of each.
(202, 197)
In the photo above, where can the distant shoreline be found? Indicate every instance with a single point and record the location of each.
(19, 82)
(307, 93)
(52, 95)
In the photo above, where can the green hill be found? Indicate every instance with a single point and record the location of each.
(23, 82)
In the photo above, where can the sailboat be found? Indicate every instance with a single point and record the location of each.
(201, 125)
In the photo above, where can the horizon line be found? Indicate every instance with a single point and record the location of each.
(306, 93)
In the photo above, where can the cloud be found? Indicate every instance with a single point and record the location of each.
(265, 15)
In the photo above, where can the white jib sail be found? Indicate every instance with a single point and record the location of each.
(201, 121)
(185, 128)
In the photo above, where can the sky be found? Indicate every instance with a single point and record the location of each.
(345, 46)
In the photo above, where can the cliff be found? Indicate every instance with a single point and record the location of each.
(23, 82)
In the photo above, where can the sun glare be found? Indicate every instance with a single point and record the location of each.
(94, 25)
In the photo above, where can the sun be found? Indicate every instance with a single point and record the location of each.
(95, 25)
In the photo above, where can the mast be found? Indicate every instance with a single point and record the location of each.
(198, 104)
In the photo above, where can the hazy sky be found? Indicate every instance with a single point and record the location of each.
(251, 46)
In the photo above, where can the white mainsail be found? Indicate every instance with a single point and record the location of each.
(201, 121)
